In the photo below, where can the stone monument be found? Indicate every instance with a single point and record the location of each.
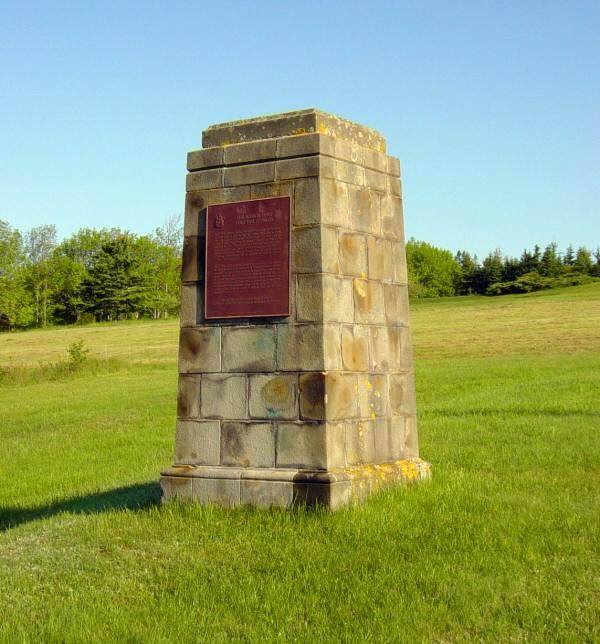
(295, 362)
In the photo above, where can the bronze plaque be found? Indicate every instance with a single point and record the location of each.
(248, 259)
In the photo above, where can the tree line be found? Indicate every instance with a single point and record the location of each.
(106, 275)
(436, 272)
(94, 275)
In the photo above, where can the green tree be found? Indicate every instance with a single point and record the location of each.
(15, 303)
(569, 256)
(117, 285)
(583, 261)
(550, 265)
(432, 271)
(39, 246)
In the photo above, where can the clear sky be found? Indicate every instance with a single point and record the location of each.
(493, 107)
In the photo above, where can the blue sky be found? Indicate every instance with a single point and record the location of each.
(493, 107)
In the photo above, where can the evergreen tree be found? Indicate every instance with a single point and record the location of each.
(468, 267)
(491, 270)
(550, 265)
(583, 261)
(569, 257)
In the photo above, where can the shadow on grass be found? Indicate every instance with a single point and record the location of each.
(131, 497)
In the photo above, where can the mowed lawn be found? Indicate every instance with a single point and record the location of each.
(502, 544)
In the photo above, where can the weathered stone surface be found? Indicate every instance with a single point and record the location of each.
(314, 250)
(400, 395)
(411, 437)
(393, 166)
(334, 203)
(197, 201)
(276, 189)
(300, 347)
(197, 443)
(392, 217)
(389, 440)
(250, 152)
(307, 202)
(199, 350)
(298, 168)
(355, 348)
(306, 144)
(309, 298)
(192, 262)
(364, 210)
(349, 172)
(302, 445)
(249, 348)
(247, 444)
(353, 254)
(368, 302)
(190, 312)
(396, 303)
(188, 396)
(337, 302)
(248, 174)
(224, 396)
(341, 399)
(204, 179)
(399, 254)
(222, 492)
(394, 186)
(360, 442)
(292, 123)
(274, 396)
(267, 494)
(372, 396)
(202, 159)
(332, 347)
(312, 396)
(175, 488)
(386, 348)
(375, 180)
(381, 264)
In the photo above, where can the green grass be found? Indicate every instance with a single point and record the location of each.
(502, 544)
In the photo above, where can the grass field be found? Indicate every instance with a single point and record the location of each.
(502, 544)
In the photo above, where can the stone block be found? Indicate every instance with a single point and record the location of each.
(248, 174)
(188, 396)
(334, 203)
(300, 347)
(190, 311)
(197, 442)
(309, 297)
(337, 302)
(349, 172)
(224, 396)
(374, 160)
(302, 445)
(396, 437)
(175, 488)
(292, 123)
(405, 348)
(192, 261)
(396, 303)
(336, 444)
(353, 254)
(400, 395)
(381, 260)
(332, 347)
(273, 396)
(372, 395)
(267, 494)
(368, 302)
(392, 217)
(298, 168)
(276, 189)
(247, 444)
(197, 201)
(385, 447)
(399, 255)
(307, 202)
(222, 492)
(394, 186)
(393, 166)
(306, 144)
(199, 349)
(386, 348)
(341, 400)
(360, 442)
(364, 210)
(375, 180)
(249, 348)
(355, 348)
(250, 152)
(206, 158)
(312, 395)
(204, 179)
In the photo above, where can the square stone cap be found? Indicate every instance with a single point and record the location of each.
(289, 124)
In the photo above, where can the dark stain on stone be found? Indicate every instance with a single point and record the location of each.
(312, 395)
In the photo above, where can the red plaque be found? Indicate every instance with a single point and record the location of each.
(248, 259)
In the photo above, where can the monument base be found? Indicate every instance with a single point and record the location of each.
(229, 486)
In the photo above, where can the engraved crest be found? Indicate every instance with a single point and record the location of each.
(219, 221)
